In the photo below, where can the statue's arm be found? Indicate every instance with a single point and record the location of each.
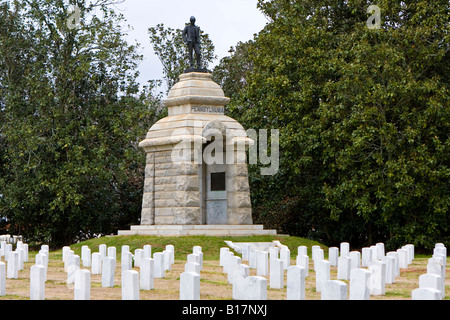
(198, 35)
(185, 34)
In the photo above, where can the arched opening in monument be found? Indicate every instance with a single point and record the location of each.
(215, 195)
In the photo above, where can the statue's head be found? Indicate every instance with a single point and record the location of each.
(193, 19)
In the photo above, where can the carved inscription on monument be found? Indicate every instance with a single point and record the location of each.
(198, 109)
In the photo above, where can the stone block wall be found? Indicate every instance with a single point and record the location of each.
(238, 197)
(171, 191)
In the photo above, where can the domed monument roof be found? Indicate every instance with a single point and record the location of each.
(195, 88)
(193, 103)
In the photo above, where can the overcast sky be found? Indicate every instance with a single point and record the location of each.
(226, 21)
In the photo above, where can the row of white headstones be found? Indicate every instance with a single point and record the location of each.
(381, 269)
(102, 262)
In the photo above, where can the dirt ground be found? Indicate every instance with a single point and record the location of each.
(213, 283)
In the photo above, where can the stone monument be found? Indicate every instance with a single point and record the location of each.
(196, 179)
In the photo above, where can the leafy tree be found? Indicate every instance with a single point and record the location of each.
(171, 50)
(72, 115)
(231, 73)
(363, 116)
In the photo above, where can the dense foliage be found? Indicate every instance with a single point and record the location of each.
(363, 114)
(71, 116)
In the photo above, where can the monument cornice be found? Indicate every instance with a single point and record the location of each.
(196, 100)
(171, 140)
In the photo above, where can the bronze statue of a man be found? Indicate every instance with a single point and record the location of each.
(191, 36)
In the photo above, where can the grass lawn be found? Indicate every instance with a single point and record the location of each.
(183, 245)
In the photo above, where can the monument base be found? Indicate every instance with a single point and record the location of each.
(194, 69)
(198, 230)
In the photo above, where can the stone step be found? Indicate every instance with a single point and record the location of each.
(197, 230)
